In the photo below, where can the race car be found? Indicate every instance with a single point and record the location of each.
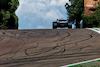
(62, 23)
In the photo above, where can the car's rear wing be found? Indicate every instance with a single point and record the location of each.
(61, 19)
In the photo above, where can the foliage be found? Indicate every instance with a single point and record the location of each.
(93, 20)
(75, 11)
(8, 19)
(4, 16)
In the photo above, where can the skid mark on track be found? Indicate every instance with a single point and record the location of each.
(66, 45)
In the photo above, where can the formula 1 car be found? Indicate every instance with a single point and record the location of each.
(62, 23)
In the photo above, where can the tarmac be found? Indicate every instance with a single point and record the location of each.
(47, 47)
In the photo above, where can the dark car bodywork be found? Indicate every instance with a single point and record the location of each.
(61, 23)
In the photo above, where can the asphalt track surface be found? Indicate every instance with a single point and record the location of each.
(47, 48)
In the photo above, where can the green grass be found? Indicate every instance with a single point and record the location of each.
(82, 65)
(86, 66)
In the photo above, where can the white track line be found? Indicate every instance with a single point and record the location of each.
(84, 62)
(81, 62)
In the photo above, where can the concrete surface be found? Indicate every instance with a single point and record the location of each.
(47, 48)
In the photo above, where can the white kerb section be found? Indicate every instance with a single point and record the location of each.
(81, 62)
(95, 29)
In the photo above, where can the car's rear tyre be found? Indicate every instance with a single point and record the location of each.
(54, 25)
(70, 25)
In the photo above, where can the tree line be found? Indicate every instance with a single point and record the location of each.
(75, 11)
(8, 18)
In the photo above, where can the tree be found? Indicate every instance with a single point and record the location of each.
(4, 16)
(8, 19)
(92, 20)
(75, 10)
